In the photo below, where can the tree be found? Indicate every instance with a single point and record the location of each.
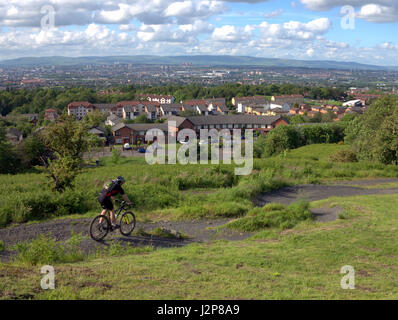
(374, 135)
(95, 119)
(9, 160)
(68, 140)
(32, 151)
(282, 138)
(296, 119)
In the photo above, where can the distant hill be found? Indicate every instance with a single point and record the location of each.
(199, 60)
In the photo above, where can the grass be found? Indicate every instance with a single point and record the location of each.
(273, 216)
(300, 263)
(179, 191)
(45, 250)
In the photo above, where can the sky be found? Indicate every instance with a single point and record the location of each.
(343, 30)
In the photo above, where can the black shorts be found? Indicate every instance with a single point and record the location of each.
(106, 203)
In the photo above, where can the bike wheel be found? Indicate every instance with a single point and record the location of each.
(99, 227)
(127, 223)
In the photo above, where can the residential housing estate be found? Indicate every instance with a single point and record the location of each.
(255, 112)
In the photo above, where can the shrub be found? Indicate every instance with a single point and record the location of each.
(116, 155)
(374, 135)
(2, 247)
(273, 216)
(344, 156)
(322, 133)
(282, 138)
(45, 250)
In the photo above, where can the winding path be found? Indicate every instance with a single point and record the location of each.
(198, 231)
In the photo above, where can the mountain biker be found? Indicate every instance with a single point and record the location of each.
(109, 192)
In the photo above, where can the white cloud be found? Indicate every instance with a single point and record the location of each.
(295, 30)
(380, 11)
(26, 13)
(310, 52)
(229, 33)
(273, 14)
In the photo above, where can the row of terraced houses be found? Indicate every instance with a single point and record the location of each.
(250, 113)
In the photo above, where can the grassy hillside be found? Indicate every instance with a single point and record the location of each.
(170, 191)
(290, 256)
(302, 263)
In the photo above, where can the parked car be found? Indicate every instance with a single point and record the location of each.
(127, 146)
(141, 150)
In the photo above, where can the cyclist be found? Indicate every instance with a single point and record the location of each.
(109, 192)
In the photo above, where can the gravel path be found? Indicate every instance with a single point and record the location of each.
(310, 193)
(197, 231)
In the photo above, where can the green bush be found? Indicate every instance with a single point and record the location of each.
(45, 250)
(282, 138)
(285, 138)
(273, 216)
(344, 156)
(374, 135)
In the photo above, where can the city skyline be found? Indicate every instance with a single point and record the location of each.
(301, 29)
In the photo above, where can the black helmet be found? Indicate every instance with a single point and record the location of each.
(120, 180)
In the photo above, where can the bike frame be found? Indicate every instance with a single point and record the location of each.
(121, 209)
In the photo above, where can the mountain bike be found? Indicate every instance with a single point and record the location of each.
(101, 225)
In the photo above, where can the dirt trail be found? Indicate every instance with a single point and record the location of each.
(197, 231)
(310, 193)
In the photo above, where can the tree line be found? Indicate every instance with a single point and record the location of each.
(38, 100)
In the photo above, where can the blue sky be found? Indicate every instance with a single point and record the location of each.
(300, 29)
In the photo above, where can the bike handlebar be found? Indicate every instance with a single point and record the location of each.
(123, 203)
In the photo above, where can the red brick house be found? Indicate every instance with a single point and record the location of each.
(50, 114)
(260, 124)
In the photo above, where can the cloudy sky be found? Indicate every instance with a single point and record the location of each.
(344, 30)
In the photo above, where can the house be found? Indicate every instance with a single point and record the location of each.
(316, 108)
(173, 109)
(261, 124)
(242, 102)
(354, 109)
(80, 109)
(51, 114)
(104, 108)
(189, 108)
(99, 132)
(366, 98)
(219, 105)
(290, 99)
(353, 103)
(134, 133)
(281, 105)
(113, 120)
(161, 99)
(260, 109)
(202, 109)
(151, 112)
(221, 108)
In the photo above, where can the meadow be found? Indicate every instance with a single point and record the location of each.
(290, 256)
(178, 191)
(300, 263)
